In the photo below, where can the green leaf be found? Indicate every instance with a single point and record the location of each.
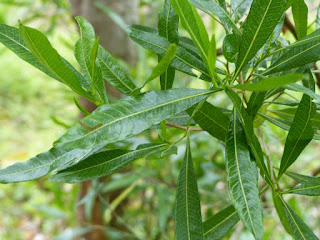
(298, 88)
(42, 50)
(230, 48)
(168, 28)
(241, 177)
(299, 177)
(192, 22)
(239, 8)
(130, 116)
(300, 17)
(113, 74)
(281, 211)
(255, 103)
(104, 163)
(309, 188)
(212, 120)
(212, 58)
(41, 164)
(164, 62)
(266, 84)
(300, 53)
(11, 38)
(188, 221)
(263, 17)
(318, 18)
(300, 134)
(183, 61)
(299, 229)
(213, 8)
(252, 139)
(219, 224)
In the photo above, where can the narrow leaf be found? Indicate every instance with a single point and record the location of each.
(298, 88)
(113, 74)
(309, 188)
(300, 17)
(300, 134)
(104, 163)
(263, 17)
(192, 22)
(281, 211)
(213, 8)
(230, 48)
(299, 177)
(188, 221)
(270, 83)
(219, 224)
(49, 57)
(41, 164)
(212, 120)
(299, 229)
(300, 53)
(318, 18)
(11, 38)
(212, 58)
(255, 103)
(130, 116)
(239, 8)
(241, 176)
(183, 61)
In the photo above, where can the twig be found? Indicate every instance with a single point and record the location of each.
(267, 154)
(170, 124)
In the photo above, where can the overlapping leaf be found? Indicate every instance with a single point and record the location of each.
(300, 134)
(309, 188)
(130, 116)
(281, 211)
(299, 177)
(188, 221)
(212, 120)
(242, 183)
(104, 163)
(219, 224)
(300, 17)
(183, 61)
(264, 15)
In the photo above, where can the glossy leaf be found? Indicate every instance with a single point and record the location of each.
(212, 120)
(300, 53)
(281, 211)
(309, 188)
(11, 38)
(130, 116)
(241, 177)
(263, 17)
(300, 17)
(105, 163)
(168, 28)
(266, 84)
(192, 22)
(42, 50)
(41, 164)
(299, 177)
(183, 61)
(219, 224)
(213, 8)
(113, 74)
(299, 229)
(230, 48)
(300, 134)
(188, 221)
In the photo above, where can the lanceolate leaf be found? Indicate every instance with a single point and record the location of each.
(105, 163)
(130, 116)
(255, 103)
(168, 28)
(239, 8)
(212, 120)
(299, 229)
(300, 17)
(264, 15)
(302, 52)
(188, 221)
(11, 38)
(41, 164)
(298, 88)
(310, 188)
(318, 18)
(241, 177)
(299, 177)
(192, 22)
(270, 83)
(219, 224)
(49, 57)
(183, 61)
(300, 134)
(113, 74)
(281, 211)
(213, 8)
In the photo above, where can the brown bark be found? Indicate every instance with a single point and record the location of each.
(117, 42)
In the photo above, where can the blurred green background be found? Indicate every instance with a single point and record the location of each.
(35, 108)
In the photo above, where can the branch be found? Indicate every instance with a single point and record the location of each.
(184, 128)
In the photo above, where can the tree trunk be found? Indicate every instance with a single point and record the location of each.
(117, 42)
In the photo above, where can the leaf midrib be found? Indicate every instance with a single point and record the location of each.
(224, 220)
